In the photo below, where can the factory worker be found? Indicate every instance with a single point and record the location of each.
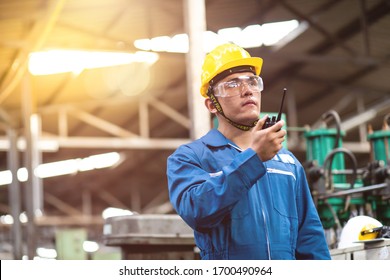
(243, 194)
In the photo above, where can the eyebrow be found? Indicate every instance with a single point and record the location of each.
(234, 79)
(239, 77)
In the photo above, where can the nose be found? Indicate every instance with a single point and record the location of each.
(245, 89)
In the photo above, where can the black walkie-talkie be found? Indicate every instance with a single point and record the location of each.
(271, 121)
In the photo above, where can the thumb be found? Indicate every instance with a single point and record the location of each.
(261, 122)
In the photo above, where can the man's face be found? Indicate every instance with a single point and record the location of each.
(240, 97)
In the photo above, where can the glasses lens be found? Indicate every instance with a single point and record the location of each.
(238, 86)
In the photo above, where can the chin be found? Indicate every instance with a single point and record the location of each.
(254, 116)
(250, 121)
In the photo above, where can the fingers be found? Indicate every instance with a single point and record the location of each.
(261, 122)
(278, 134)
(277, 126)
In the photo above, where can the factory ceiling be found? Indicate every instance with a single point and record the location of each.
(339, 61)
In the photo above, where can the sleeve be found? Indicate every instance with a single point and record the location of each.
(311, 243)
(203, 199)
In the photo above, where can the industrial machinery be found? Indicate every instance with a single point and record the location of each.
(340, 192)
(150, 236)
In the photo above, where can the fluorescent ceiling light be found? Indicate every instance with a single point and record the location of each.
(274, 32)
(179, 44)
(98, 161)
(5, 177)
(73, 166)
(211, 40)
(6, 219)
(62, 61)
(143, 44)
(46, 253)
(22, 174)
(58, 168)
(9, 220)
(160, 44)
(231, 34)
(23, 217)
(115, 212)
(302, 27)
(251, 36)
(90, 246)
(65, 167)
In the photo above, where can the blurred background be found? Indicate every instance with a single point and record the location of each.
(94, 95)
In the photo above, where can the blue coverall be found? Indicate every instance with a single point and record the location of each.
(242, 208)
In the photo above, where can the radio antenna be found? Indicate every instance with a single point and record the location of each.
(281, 105)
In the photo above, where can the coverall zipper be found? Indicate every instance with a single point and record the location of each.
(262, 213)
(265, 228)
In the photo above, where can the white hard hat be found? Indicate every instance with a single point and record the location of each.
(351, 231)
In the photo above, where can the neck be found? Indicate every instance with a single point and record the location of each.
(240, 137)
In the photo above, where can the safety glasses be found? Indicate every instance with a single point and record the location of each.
(238, 86)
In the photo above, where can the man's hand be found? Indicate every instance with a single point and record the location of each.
(267, 142)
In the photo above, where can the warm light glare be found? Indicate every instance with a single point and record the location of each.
(62, 61)
(250, 37)
(65, 167)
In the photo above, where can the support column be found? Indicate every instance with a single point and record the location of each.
(195, 23)
(14, 194)
(33, 186)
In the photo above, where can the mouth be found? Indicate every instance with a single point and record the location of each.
(249, 102)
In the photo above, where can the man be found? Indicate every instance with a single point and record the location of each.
(244, 195)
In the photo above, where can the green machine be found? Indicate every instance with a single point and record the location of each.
(380, 143)
(379, 171)
(69, 244)
(327, 173)
(340, 192)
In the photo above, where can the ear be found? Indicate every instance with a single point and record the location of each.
(210, 106)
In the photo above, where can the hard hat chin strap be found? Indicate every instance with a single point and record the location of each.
(219, 109)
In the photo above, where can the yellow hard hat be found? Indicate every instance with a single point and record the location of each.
(369, 232)
(224, 57)
(352, 231)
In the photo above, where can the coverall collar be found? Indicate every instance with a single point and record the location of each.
(216, 139)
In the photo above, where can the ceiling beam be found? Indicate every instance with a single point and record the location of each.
(328, 36)
(327, 92)
(61, 205)
(368, 115)
(36, 39)
(348, 31)
(101, 143)
(101, 124)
